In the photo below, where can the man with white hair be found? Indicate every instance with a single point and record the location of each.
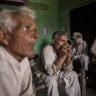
(18, 35)
(54, 57)
(80, 50)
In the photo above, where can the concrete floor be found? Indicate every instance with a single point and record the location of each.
(91, 82)
(90, 92)
(91, 87)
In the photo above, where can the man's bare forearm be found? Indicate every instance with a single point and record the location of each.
(59, 62)
(69, 61)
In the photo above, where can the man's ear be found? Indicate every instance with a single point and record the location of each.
(4, 37)
(53, 41)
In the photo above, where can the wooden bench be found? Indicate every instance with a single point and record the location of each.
(42, 86)
(41, 90)
(82, 77)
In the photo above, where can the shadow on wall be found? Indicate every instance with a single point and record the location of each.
(42, 44)
(1, 8)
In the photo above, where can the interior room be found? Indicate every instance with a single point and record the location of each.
(70, 16)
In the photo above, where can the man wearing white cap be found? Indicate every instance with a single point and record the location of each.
(80, 50)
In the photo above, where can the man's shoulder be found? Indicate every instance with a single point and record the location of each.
(84, 42)
(95, 41)
(2, 57)
(47, 47)
(2, 52)
(3, 63)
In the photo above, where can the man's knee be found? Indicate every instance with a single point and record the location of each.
(51, 81)
(74, 74)
(85, 58)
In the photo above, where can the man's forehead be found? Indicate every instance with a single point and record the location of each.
(20, 17)
(17, 15)
(63, 37)
(23, 19)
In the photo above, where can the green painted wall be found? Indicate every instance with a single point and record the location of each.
(64, 9)
(46, 12)
(56, 11)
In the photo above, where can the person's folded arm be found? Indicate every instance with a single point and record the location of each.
(51, 64)
(48, 62)
(93, 48)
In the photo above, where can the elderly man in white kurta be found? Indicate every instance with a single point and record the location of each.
(80, 50)
(52, 59)
(93, 50)
(17, 37)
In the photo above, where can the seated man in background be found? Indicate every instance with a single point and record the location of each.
(33, 62)
(93, 50)
(54, 57)
(18, 35)
(80, 50)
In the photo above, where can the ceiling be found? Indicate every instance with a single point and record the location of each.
(12, 2)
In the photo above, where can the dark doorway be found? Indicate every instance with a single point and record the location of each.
(83, 20)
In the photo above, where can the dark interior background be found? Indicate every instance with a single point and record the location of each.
(83, 20)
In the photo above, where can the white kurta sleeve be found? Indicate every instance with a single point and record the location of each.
(68, 68)
(73, 54)
(93, 48)
(48, 61)
(78, 56)
(85, 48)
(84, 51)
